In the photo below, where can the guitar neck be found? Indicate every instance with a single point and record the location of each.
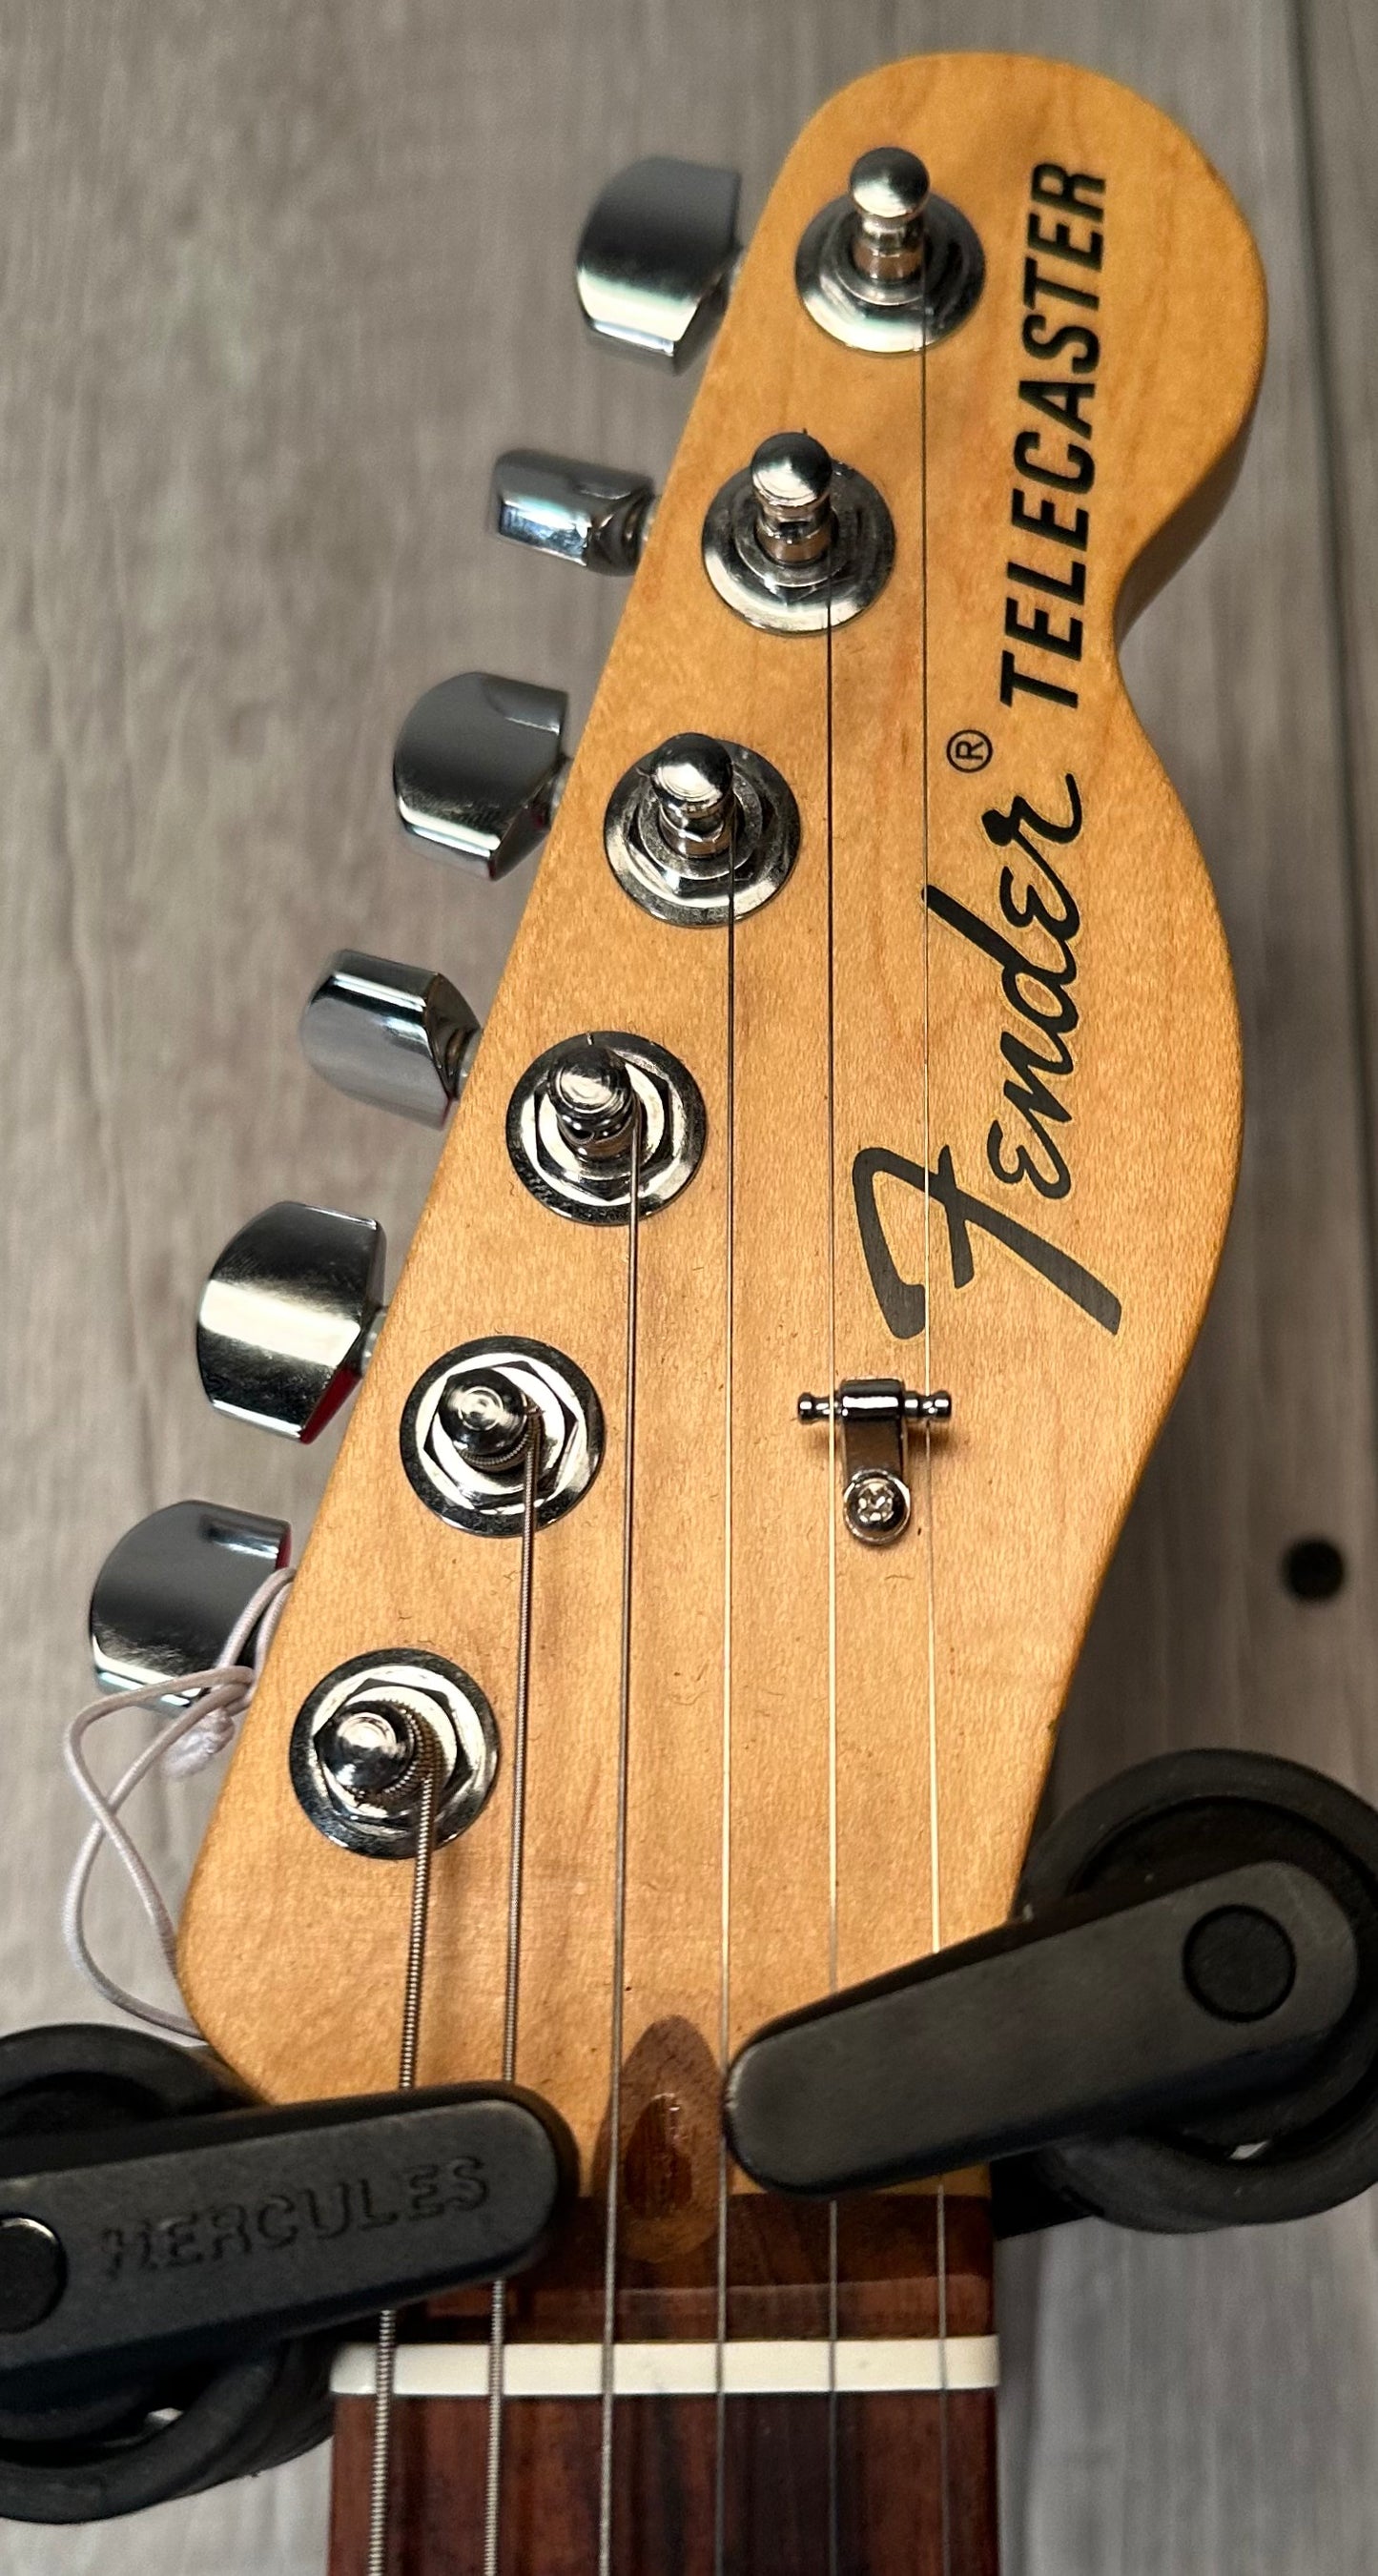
(894, 2468)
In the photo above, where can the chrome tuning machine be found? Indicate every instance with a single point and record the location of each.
(657, 258)
(797, 542)
(701, 830)
(874, 1414)
(472, 1418)
(173, 1587)
(572, 1116)
(479, 766)
(357, 1751)
(596, 516)
(400, 1037)
(290, 1315)
(889, 266)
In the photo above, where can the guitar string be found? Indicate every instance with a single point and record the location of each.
(725, 1859)
(497, 2338)
(430, 1758)
(935, 1888)
(833, 2495)
(609, 2353)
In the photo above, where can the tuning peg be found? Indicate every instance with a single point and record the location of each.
(479, 766)
(592, 515)
(289, 1317)
(400, 1037)
(656, 258)
(173, 1587)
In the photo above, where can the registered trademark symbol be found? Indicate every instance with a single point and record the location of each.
(969, 749)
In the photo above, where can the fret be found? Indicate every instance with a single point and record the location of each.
(779, 2492)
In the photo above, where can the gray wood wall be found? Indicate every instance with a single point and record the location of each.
(275, 283)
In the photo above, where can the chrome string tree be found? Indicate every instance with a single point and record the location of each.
(874, 1415)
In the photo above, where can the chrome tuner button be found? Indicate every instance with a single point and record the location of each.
(701, 828)
(400, 1037)
(289, 1317)
(356, 1751)
(173, 1587)
(796, 541)
(657, 256)
(478, 769)
(592, 515)
(564, 1136)
(889, 266)
(466, 1427)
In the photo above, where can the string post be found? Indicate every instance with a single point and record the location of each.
(488, 1419)
(429, 1756)
(693, 781)
(792, 486)
(700, 828)
(359, 1755)
(798, 541)
(371, 1755)
(890, 267)
(479, 1414)
(573, 1117)
(595, 1104)
(889, 190)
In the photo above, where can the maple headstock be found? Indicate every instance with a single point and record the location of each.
(982, 1137)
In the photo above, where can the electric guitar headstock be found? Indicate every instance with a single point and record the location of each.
(870, 921)
(826, 1219)
(952, 1101)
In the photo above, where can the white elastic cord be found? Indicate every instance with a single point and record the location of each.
(186, 1741)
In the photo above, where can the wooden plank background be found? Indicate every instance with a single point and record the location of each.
(274, 286)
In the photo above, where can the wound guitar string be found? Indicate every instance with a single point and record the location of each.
(430, 1762)
(607, 2426)
(497, 2337)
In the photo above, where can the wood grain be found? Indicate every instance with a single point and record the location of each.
(889, 2450)
(856, 1026)
(895, 2454)
(275, 286)
(977, 1614)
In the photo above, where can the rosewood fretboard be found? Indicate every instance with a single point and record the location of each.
(898, 2483)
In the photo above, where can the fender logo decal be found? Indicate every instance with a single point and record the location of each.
(902, 1300)
(1039, 993)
